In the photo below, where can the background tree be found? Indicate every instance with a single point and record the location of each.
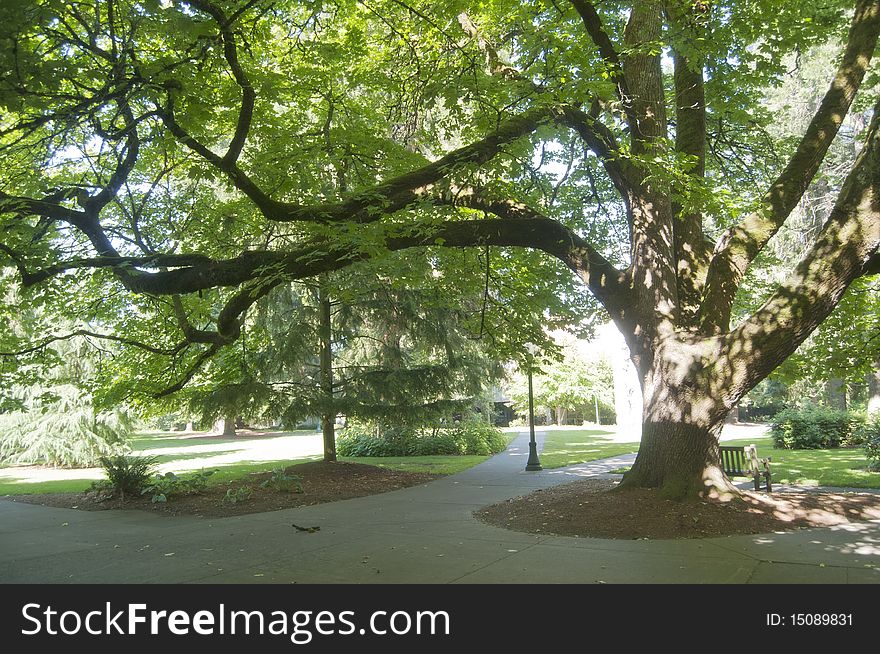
(397, 354)
(48, 415)
(575, 386)
(177, 151)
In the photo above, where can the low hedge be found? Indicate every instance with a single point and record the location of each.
(818, 428)
(469, 437)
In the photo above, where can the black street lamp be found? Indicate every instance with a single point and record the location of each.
(534, 463)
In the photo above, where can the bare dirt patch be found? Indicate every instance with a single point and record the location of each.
(586, 508)
(321, 482)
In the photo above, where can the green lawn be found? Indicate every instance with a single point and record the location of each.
(147, 442)
(565, 447)
(224, 474)
(58, 486)
(440, 465)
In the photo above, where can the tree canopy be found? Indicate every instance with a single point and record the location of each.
(166, 165)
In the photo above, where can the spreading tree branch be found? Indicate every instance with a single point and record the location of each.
(740, 244)
(248, 95)
(593, 24)
(90, 334)
(846, 247)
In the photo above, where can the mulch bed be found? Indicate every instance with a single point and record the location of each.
(585, 508)
(322, 482)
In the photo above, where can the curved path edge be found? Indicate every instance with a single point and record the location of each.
(423, 534)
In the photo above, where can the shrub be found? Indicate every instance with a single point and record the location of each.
(127, 474)
(816, 428)
(476, 436)
(283, 482)
(472, 436)
(169, 484)
(870, 432)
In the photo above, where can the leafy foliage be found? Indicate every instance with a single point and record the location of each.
(817, 428)
(283, 482)
(473, 436)
(238, 495)
(128, 474)
(62, 429)
(169, 165)
(570, 384)
(870, 435)
(168, 485)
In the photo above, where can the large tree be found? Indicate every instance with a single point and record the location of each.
(182, 160)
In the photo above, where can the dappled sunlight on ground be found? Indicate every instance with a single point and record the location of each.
(181, 452)
(585, 508)
(819, 509)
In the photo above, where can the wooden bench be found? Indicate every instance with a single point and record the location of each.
(743, 461)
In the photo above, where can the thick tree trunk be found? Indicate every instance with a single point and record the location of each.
(681, 460)
(225, 426)
(681, 421)
(328, 418)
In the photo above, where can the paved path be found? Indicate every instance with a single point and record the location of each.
(424, 534)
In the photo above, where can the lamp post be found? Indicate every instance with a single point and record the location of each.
(534, 463)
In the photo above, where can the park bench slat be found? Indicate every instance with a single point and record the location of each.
(743, 461)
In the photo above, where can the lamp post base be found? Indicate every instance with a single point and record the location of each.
(534, 463)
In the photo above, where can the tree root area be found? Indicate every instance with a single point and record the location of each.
(586, 509)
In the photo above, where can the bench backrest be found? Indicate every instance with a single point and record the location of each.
(739, 460)
(733, 460)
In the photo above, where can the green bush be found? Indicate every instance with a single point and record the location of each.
(127, 474)
(870, 432)
(478, 437)
(816, 428)
(472, 436)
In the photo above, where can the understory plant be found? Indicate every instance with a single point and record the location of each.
(469, 436)
(238, 495)
(283, 482)
(871, 435)
(815, 428)
(126, 474)
(164, 486)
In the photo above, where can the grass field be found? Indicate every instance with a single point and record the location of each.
(231, 457)
(840, 467)
(843, 468)
(565, 447)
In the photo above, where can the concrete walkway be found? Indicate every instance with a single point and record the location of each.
(424, 534)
